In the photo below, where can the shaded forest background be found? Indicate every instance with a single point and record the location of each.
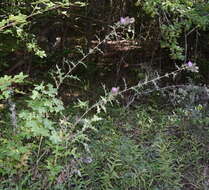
(164, 34)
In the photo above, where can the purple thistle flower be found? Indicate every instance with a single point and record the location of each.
(114, 90)
(192, 67)
(122, 20)
(126, 20)
(189, 64)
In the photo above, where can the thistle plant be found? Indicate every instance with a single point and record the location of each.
(111, 96)
(58, 136)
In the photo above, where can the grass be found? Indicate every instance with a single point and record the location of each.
(144, 148)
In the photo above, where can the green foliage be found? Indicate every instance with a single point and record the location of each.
(177, 20)
(146, 149)
(17, 23)
(35, 121)
(6, 83)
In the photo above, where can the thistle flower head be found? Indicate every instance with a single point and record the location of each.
(189, 64)
(126, 20)
(114, 90)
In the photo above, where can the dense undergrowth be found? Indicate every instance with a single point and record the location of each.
(141, 148)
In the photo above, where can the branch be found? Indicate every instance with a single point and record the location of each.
(31, 15)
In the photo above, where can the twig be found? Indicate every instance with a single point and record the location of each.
(85, 56)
